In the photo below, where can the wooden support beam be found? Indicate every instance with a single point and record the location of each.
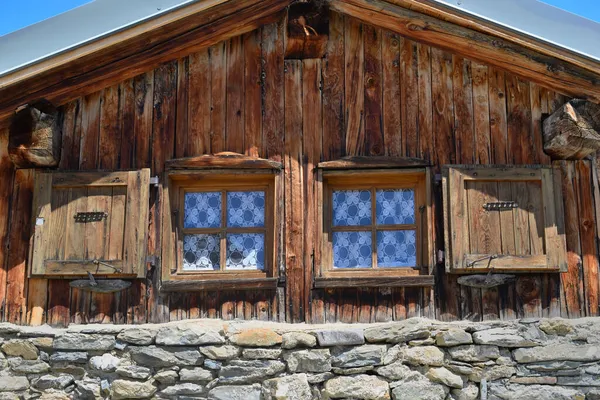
(573, 131)
(35, 136)
(538, 67)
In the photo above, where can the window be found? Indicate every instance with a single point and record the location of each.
(504, 218)
(375, 223)
(93, 222)
(222, 224)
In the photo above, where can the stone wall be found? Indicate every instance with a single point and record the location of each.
(208, 359)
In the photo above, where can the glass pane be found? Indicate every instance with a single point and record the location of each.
(202, 210)
(396, 249)
(245, 251)
(395, 207)
(351, 208)
(352, 250)
(201, 252)
(245, 209)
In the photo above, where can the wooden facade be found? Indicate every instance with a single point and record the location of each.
(375, 93)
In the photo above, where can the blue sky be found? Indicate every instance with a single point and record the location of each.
(17, 14)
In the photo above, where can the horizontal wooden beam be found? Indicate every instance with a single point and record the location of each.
(218, 284)
(225, 160)
(546, 70)
(142, 53)
(364, 162)
(388, 281)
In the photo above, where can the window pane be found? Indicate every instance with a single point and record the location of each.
(395, 207)
(202, 210)
(246, 251)
(396, 249)
(245, 209)
(351, 207)
(352, 250)
(201, 252)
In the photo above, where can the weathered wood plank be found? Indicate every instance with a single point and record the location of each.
(409, 98)
(6, 187)
(392, 117)
(481, 115)
(235, 95)
(425, 111)
(218, 113)
(252, 93)
(273, 90)
(443, 107)
(498, 117)
(199, 128)
(463, 110)
(354, 86)
(374, 137)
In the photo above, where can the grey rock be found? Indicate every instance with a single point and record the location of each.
(166, 377)
(369, 354)
(261, 354)
(20, 348)
(292, 387)
(593, 369)
(340, 337)
(554, 366)
(122, 389)
(195, 375)
(13, 383)
(153, 356)
(584, 380)
(28, 366)
(425, 355)
(291, 340)
(251, 371)
(248, 392)
(177, 335)
(453, 337)
(134, 372)
(459, 367)
(352, 371)
(256, 337)
(86, 342)
(398, 332)
(87, 389)
(212, 364)
(442, 375)
(558, 352)
(504, 337)
(473, 353)
(421, 389)
(53, 382)
(469, 392)
(184, 389)
(556, 326)
(186, 357)
(492, 373)
(395, 371)
(534, 392)
(364, 387)
(77, 372)
(77, 357)
(313, 379)
(226, 352)
(106, 362)
(318, 360)
(422, 342)
(137, 336)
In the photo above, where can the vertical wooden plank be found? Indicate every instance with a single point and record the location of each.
(484, 226)
(354, 86)
(183, 105)
(144, 94)
(374, 139)
(198, 136)
(481, 114)
(399, 310)
(366, 298)
(409, 97)
(110, 129)
(317, 315)
(19, 236)
(413, 308)
(90, 131)
(571, 280)
(529, 296)
(7, 173)
(426, 144)
(333, 90)
(312, 150)
(127, 117)
(519, 120)
(252, 92)
(537, 97)
(59, 302)
(392, 120)
(507, 222)
(587, 232)
(520, 194)
(463, 110)
(235, 95)
(294, 200)
(498, 118)
(71, 135)
(163, 136)
(490, 308)
(218, 113)
(273, 89)
(384, 311)
(443, 108)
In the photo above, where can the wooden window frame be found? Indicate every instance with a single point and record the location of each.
(361, 173)
(224, 173)
(455, 217)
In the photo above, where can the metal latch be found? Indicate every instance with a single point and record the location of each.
(500, 206)
(93, 216)
(98, 262)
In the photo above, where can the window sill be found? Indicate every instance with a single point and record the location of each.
(379, 281)
(218, 284)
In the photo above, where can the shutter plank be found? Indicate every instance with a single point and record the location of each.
(136, 225)
(521, 218)
(116, 224)
(42, 210)
(507, 222)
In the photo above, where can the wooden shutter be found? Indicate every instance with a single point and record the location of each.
(505, 218)
(83, 217)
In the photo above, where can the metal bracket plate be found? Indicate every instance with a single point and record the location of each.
(500, 206)
(93, 216)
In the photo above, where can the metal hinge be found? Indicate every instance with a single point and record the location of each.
(152, 260)
(154, 181)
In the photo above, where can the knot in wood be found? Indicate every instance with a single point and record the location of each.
(416, 26)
